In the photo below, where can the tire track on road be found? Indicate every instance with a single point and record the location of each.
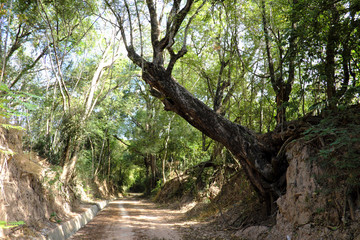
(129, 219)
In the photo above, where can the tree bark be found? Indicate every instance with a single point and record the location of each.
(245, 146)
(332, 39)
(154, 171)
(164, 159)
(257, 154)
(69, 165)
(148, 181)
(281, 87)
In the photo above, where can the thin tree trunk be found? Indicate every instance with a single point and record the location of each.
(153, 168)
(147, 172)
(166, 150)
(332, 38)
(109, 159)
(282, 88)
(101, 153)
(4, 58)
(92, 158)
(261, 106)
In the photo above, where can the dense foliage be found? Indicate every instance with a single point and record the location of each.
(337, 140)
(258, 63)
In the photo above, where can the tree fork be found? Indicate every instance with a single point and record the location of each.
(256, 153)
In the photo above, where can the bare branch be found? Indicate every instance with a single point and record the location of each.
(130, 23)
(155, 28)
(189, 22)
(141, 35)
(6, 39)
(174, 24)
(162, 13)
(28, 67)
(121, 25)
(138, 60)
(174, 57)
(58, 73)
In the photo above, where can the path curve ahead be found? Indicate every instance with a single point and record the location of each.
(131, 218)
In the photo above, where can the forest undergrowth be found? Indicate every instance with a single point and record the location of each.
(228, 201)
(32, 199)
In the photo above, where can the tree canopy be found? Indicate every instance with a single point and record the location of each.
(89, 81)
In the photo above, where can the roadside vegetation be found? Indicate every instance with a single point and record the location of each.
(176, 99)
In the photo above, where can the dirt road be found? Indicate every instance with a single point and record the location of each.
(132, 218)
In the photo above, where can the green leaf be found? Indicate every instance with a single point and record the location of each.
(9, 126)
(4, 88)
(6, 225)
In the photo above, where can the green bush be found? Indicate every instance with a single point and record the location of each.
(338, 139)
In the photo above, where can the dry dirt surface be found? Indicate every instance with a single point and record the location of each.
(133, 218)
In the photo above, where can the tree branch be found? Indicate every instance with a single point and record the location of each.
(28, 67)
(138, 60)
(174, 57)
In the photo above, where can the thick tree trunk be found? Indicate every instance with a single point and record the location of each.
(257, 154)
(257, 159)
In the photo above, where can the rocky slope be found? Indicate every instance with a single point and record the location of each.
(306, 212)
(31, 193)
(322, 198)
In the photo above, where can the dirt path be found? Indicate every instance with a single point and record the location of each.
(132, 218)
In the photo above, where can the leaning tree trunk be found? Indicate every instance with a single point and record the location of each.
(258, 154)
